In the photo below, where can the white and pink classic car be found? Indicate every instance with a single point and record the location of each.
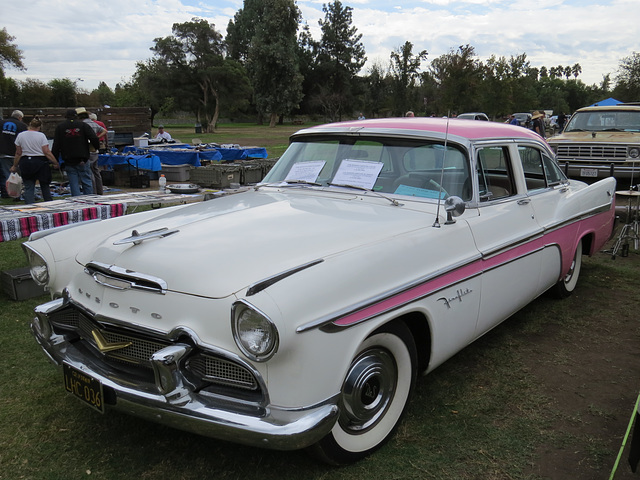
(300, 313)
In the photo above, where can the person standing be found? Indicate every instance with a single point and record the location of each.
(104, 141)
(101, 133)
(32, 158)
(538, 123)
(71, 143)
(9, 130)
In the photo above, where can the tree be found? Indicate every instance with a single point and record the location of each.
(404, 69)
(458, 74)
(193, 70)
(104, 93)
(34, 93)
(10, 55)
(263, 36)
(628, 78)
(377, 91)
(341, 55)
(63, 92)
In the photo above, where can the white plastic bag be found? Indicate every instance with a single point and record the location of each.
(14, 185)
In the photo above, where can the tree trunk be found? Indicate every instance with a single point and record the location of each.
(273, 119)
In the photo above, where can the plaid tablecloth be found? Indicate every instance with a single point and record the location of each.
(17, 224)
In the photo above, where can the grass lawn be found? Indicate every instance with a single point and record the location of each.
(275, 139)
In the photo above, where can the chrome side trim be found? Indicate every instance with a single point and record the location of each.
(383, 296)
(267, 282)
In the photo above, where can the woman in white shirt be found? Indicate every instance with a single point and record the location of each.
(32, 158)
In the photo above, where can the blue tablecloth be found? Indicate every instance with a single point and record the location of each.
(230, 154)
(179, 157)
(188, 154)
(142, 162)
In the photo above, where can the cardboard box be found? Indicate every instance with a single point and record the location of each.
(19, 285)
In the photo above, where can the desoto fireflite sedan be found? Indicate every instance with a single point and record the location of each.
(299, 313)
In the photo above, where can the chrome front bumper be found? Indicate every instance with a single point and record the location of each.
(573, 168)
(179, 407)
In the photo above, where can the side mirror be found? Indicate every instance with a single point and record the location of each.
(454, 206)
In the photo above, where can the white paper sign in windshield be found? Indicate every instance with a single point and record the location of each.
(305, 172)
(358, 173)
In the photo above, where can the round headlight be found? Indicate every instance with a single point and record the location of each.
(38, 267)
(254, 333)
(634, 152)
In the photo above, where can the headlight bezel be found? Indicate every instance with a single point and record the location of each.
(38, 266)
(633, 152)
(242, 333)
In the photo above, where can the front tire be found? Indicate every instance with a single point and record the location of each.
(567, 285)
(374, 396)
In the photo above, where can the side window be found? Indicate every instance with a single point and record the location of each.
(540, 171)
(431, 170)
(494, 173)
(554, 173)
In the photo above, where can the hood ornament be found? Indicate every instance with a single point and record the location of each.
(137, 238)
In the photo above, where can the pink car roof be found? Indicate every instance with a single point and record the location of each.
(472, 129)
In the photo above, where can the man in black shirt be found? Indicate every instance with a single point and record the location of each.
(71, 142)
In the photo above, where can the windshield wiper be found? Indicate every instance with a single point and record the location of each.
(302, 182)
(292, 183)
(364, 189)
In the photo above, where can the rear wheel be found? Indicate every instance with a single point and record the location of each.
(567, 285)
(374, 396)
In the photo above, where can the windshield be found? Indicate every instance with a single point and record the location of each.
(602, 121)
(393, 166)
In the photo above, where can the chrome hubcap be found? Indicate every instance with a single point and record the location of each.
(368, 390)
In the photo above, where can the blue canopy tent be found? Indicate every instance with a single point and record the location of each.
(606, 103)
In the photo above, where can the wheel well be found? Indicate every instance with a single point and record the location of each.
(419, 327)
(587, 241)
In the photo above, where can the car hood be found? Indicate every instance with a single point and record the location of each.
(599, 137)
(222, 246)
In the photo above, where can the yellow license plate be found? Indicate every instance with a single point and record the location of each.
(84, 387)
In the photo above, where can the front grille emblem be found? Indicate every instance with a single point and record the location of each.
(104, 346)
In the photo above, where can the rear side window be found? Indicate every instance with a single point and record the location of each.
(495, 178)
(540, 171)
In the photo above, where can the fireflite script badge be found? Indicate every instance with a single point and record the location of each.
(459, 294)
(104, 345)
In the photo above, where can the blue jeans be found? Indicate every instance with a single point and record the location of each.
(80, 181)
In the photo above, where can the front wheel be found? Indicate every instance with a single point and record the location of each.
(374, 396)
(567, 284)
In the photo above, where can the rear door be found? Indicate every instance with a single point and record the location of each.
(506, 234)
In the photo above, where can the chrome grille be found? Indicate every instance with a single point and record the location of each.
(219, 370)
(138, 353)
(596, 151)
(209, 368)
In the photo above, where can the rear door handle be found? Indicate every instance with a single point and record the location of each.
(524, 201)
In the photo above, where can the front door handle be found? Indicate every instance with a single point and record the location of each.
(524, 201)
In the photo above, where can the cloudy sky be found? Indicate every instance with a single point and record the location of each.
(89, 41)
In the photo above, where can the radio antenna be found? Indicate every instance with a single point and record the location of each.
(436, 223)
